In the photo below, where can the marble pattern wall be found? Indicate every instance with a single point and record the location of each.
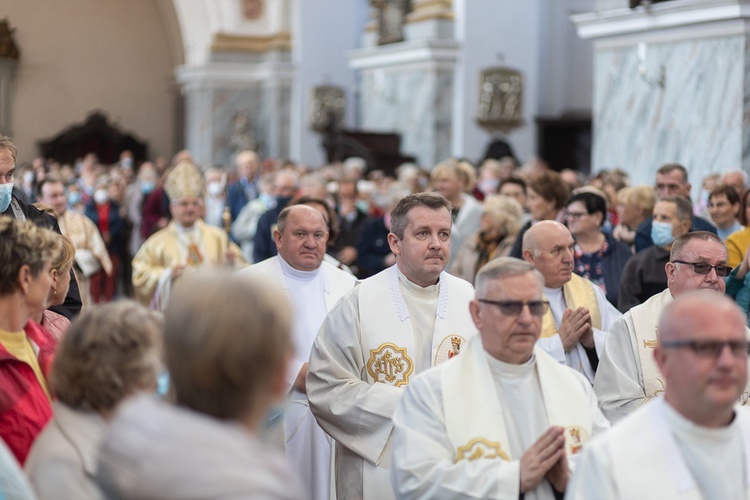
(415, 102)
(210, 121)
(696, 119)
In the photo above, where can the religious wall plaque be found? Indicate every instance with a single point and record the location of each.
(500, 99)
(327, 107)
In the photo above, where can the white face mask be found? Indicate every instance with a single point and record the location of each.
(101, 197)
(28, 177)
(214, 188)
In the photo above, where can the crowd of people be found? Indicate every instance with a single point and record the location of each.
(277, 331)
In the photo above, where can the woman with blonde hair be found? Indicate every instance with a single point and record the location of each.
(26, 351)
(499, 225)
(454, 180)
(62, 263)
(634, 205)
(109, 353)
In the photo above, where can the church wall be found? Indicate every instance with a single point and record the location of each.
(696, 120)
(497, 33)
(78, 56)
(324, 30)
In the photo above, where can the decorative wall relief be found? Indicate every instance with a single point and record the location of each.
(500, 99)
(327, 108)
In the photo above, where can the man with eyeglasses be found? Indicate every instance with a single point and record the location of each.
(389, 328)
(504, 419)
(628, 375)
(694, 441)
(574, 328)
(671, 180)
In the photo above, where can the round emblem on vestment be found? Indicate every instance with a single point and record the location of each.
(389, 364)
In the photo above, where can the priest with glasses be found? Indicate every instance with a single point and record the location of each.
(529, 415)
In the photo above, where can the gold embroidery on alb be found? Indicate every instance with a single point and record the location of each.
(389, 364)
(650, 344)
(480, 448)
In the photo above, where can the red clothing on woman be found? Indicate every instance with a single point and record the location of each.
(24, 406)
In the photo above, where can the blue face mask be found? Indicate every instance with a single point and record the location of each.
(74, 198)
(5, 191)
(162, 384)
(661, 233)
(147, 186)
(362, 206)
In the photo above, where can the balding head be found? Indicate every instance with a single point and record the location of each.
(301, 235)
(549, 246)
(702, 354)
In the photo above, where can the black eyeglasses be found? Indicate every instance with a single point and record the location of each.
(514, 307)
(711, 348)
(703, 268)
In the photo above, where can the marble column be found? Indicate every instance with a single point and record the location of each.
(671, 84)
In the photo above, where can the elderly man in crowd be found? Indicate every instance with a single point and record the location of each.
(529, 415)
(392, 326)
(671, 180)
(13, 207)
(644, 275)
(245, 188)
(314, 287)
(628, 375)
(185, 245)
(227, 342)
(575, 325)
(694, 442)
(91, 251)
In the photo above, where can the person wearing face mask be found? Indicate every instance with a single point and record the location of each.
(215, 197)
(135, 195)
(11, 206)
(644, 275)
(105, 214)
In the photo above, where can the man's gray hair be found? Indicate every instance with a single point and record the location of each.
(501, 268)
(680, 243)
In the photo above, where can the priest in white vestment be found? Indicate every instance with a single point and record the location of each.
(693, 442)
(392, 326)
(313, 287)
(502, 420)
(186, 245)
(628, 376)
(574, 328)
